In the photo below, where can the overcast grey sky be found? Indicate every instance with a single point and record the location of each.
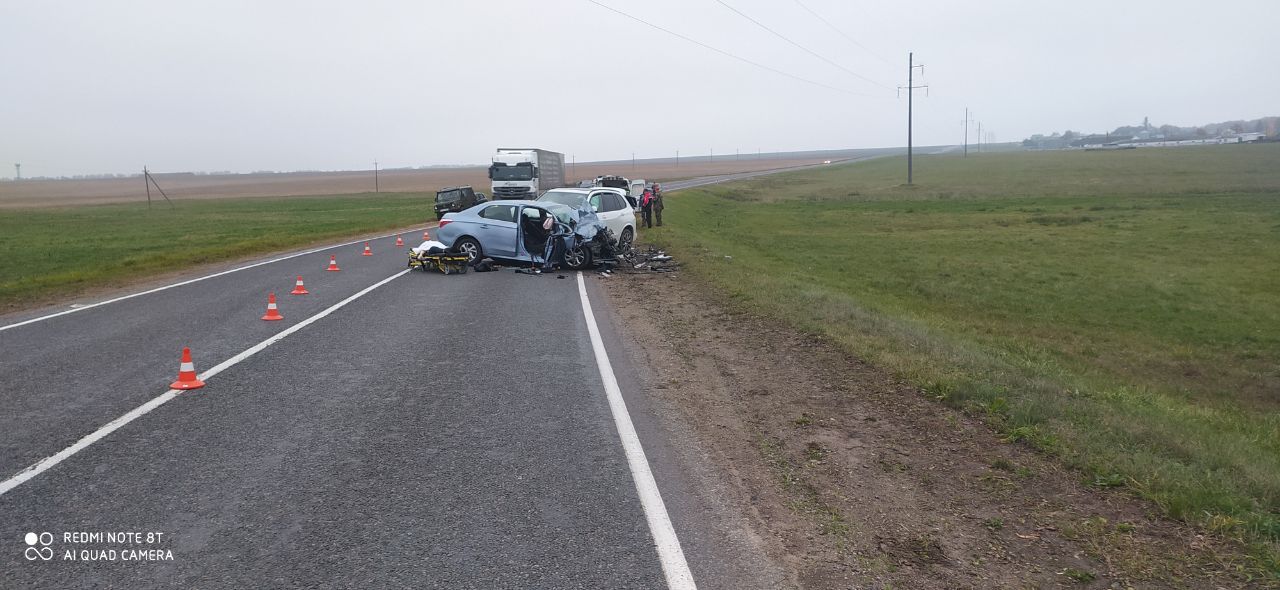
(93, 87)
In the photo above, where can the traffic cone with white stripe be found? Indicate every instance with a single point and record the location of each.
(399, 242)
(186, 373)
(367, 251)
(273, 312)
(333, 264)
(299, 288)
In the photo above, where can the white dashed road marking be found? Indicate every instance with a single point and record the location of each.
(48, 462)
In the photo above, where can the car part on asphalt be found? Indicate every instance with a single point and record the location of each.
(650, 260)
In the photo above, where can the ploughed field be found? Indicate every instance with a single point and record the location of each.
(53, 245)
(1117, 310)
(181, 187)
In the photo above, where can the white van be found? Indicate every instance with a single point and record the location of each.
(635, 192)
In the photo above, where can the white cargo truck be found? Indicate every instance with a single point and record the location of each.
(525, 173)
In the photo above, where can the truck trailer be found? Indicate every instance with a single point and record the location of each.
(525, 173)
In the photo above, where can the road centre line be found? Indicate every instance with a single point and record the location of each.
(48, 462)
(198, 279)
(674, 566)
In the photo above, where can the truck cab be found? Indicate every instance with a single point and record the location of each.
(525, 173)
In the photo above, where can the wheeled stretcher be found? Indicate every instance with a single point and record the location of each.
(445, 262)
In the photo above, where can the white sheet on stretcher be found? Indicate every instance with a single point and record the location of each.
(427, 245)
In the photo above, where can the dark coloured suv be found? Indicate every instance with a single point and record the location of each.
(456, 199)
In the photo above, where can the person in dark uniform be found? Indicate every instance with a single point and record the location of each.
(646, 207)
(657, 203)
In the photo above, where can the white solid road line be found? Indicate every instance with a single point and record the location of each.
(47, 463)
(78, 307)
(674, 566)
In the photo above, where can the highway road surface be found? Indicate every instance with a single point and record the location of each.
(396, 429)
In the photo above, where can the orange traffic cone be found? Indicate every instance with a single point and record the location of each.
(399, 242)
(186, 373)
(273, 313)
(299, 288)
(367, 251)
(333, 264)
(425, 236)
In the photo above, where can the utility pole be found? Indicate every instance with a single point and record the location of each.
(677, 158)
(375, 176)
(735, 154)
(966, 132)
(979, 137)
(713, 154)
(573, 165)
(148, 181)
(17, 171)
(910, 88)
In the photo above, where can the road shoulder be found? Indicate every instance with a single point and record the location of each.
(851, 478)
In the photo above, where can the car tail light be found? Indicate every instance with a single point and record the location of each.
(444, 222)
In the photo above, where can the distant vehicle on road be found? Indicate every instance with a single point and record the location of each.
(456, 198)
(510, 230)
(525, 173)
(613, 181)
(619, 182)
(609, 204)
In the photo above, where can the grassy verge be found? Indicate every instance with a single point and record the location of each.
(1120, 310)
(53, 251)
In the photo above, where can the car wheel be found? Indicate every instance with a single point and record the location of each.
(470, 247)
(625, 240)
(578, 258)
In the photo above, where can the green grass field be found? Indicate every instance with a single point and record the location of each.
(56, 251)
(1120, 310)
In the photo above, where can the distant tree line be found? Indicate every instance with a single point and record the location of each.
(1268, 126)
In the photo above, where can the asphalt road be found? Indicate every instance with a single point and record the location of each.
(435, 431)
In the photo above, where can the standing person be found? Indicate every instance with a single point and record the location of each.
(646, 207)
(657, 203)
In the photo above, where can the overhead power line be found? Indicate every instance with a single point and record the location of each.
(806, 49)
(727, 54)
(843, 34)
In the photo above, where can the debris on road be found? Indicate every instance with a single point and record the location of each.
(649, 260)
(485, 265)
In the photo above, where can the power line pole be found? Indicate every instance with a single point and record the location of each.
(17, 171)
(910, 88)
(375, 176)
(677, 158)
(149, 180)
(966, 132)
(979, 137)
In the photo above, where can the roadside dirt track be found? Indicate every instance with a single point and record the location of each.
(857, 480)
(54, 193)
